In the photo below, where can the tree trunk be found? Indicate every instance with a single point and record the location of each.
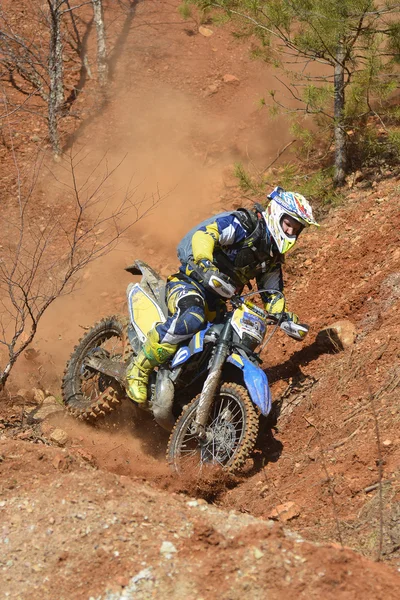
(340, 133)
(4, 375)
(56, 95)
(102, 66)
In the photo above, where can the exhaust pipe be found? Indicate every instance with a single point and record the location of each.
(164, 398)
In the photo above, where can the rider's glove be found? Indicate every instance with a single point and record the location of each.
(216, 281)
(276, 306)
(206, 265)
(290, 316)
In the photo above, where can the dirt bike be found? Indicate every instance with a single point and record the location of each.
(211, 393)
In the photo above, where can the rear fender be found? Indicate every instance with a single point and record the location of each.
(151, 283)
(255, 381)
(143, 310)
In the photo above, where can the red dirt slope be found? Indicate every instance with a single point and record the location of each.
(71, 531)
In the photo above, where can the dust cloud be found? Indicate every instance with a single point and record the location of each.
(129, 443)
(163, 147)
(172, 139)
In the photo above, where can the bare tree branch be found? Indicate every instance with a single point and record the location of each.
(44, 257)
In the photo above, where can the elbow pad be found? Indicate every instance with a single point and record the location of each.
(202, 246)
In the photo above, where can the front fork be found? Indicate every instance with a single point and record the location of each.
(212, 381)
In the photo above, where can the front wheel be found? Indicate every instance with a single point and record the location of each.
(87, 393)
(231, 433)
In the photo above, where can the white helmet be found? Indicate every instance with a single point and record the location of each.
(286, 203)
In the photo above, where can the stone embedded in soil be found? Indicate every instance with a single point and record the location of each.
(212, 89)
(40, 414)
(60, 462)
(59, 436)
(285, 511)
(205, 31)
(50, 401)
(167, 549)
(192, 503)
(228, 78)
(84, 455)
(38, 395)
(339, 335)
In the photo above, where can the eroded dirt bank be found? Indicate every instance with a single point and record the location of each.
(86, 534)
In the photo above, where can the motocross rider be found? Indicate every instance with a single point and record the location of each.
(243, 245)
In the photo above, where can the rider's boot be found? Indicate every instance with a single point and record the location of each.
(152, 355)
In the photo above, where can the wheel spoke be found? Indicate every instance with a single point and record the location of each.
(224, 434)
(93, 384)
(230, 433)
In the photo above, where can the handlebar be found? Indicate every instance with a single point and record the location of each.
(275, 318)
(298, 331)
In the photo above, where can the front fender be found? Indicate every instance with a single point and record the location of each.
(255, 381)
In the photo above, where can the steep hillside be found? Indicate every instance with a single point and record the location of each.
(338, 427)
(103, 517)
(75, 532)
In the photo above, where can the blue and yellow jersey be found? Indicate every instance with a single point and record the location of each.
(224, 240)
(225, 231)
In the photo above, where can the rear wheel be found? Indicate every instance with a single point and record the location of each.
(87, 393)
(231, 433)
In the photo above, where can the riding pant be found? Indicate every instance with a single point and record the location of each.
(190, 306)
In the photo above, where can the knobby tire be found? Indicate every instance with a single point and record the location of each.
(108, 399)
(247, 439)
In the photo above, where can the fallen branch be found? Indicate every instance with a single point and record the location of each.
(380, 467)
(371, 488)
(347, 439)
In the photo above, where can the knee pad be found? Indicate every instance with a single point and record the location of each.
(191, 300)
(182, 295)
(190, 321)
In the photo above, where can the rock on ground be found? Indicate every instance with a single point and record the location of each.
(339, 335)
(285, 511)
